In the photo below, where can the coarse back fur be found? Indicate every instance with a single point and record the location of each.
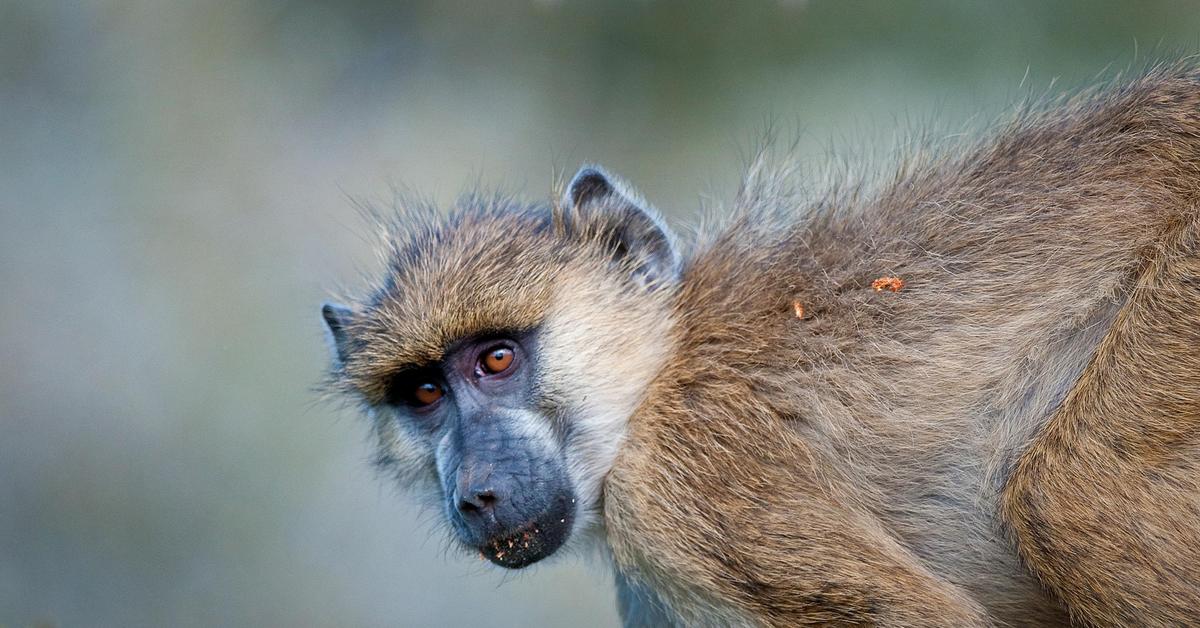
(896, 415)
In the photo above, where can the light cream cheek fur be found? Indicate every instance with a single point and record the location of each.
(408, 457)
(599, 350)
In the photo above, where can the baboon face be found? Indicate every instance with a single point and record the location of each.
(501, 468)
(502, 357)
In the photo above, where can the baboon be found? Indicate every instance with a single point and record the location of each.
(968, 395)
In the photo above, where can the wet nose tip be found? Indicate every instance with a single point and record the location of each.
(477, 501)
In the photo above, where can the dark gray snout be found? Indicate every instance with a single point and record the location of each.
(508, 497)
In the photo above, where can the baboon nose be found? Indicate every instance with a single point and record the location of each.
(477, 502)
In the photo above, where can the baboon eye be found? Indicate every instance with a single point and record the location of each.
(415, 388)
(426, 393)
(496, 360)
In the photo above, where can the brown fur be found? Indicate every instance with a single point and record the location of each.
(907, 408)
(1009, 438)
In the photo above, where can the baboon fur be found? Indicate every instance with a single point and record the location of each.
(1011, 438)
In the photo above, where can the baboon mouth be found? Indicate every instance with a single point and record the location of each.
(529, 543)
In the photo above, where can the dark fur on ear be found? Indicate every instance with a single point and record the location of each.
(599, 204)
(337, 318)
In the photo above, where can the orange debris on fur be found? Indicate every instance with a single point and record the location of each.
(798, 307)
(895, 284)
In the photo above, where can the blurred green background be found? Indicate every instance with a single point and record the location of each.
(173, 208)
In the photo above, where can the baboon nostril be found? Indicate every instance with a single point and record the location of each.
(479, 501)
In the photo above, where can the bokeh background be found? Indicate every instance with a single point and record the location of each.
(175, 185)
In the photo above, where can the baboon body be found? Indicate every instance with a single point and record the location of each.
(1004, 434)
(1036, 380)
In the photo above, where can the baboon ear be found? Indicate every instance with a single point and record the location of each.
(337, 319)
(633, 229)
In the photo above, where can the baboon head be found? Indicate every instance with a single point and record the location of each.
(503, 353)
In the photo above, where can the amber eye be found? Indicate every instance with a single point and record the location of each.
(426, 393)
(496, 360)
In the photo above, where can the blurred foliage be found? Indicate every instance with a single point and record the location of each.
(172, 210)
